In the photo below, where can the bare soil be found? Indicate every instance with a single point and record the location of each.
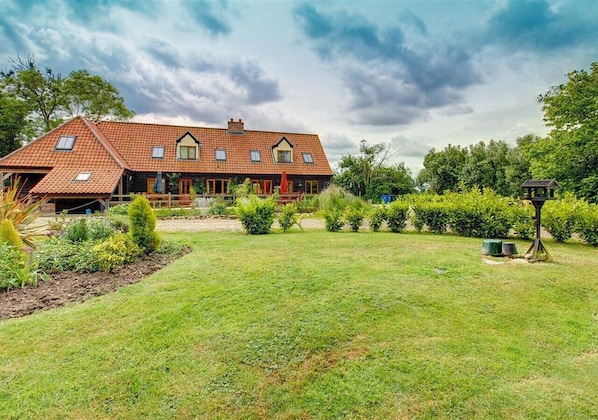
(66, 287)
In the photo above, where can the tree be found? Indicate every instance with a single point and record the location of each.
(572, 110)
(50, 99)
(368, 174)
(94, 98)
(13, 114)
(442, 170)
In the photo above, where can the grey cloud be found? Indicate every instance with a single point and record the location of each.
(409, 148)
(388, 82)
(250, 77)
(540, 26)
(203, 12)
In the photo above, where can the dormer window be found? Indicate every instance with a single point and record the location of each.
(284, 156)
(255, 156)
(187, 147)
(83, 176)
(65, 142)
(307, 158)
(158, 152)
(283, 151)
(221, 154)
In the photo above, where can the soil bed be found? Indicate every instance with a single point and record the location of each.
(65, 287)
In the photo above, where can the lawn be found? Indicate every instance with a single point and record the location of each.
(318, 325)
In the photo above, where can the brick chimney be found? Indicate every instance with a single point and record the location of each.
(235, 127)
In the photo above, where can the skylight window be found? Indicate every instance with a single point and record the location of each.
(255, 155)
(308, 158)
(83, 176)
(65, 143)
(158, 152)
(220, 154)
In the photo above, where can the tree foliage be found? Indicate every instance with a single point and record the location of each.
(493, 165)
(570, 154)
(13, 114)
(369, 174)
(47, 98)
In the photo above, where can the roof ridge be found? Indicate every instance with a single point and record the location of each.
(107, 144)
(202, 127)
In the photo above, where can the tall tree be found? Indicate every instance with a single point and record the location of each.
(369, 174)
(571, 109)
(13, 114)
(94, 98)
(50, 98)
(442, 170)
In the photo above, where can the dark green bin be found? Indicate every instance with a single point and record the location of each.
(492, 247)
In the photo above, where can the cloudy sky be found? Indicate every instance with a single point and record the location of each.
(415, 73)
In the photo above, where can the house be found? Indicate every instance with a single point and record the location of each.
(82, 165)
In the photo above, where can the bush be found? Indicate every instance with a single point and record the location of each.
(333, 220)
(9, 234)
(308, 204)
(217, 208)
(143, 225)
(431, 213)
(334, 198)
(587, 223)
(115, 252)
(256, 214)
(396, 215)
(76, 231)
(16, 269)
(120, 223)
(522, 214)
(100, 229)
(559, 217)
(288, 216)
(119, 210)
(354, 214)
(480, 214)
(61, 255)
(377, 217)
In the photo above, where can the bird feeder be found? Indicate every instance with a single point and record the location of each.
(538, 191)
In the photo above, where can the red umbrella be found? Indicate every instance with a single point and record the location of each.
(283, 183)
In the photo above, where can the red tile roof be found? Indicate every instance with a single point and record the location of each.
(107, 148)
(135, 142)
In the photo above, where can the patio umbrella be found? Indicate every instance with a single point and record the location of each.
(158, 184)
(283, 183)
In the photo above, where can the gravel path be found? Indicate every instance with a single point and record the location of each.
(199, 224)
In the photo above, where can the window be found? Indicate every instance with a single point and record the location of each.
(308, 158)
(83, 176)
(311, 187)
(187, 152)
(255, 155)
(65, 143)
(220, 154)
(217, 186)
(158, 152)
(284, 156)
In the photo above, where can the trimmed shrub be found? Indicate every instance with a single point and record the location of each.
(116, 251)
(143, 225)
(256, 214)
(559, 217)
(587, 223)
(354, 214)
(377, 217)
(333, 220)
(396, 215)
(522, 214)
(288, 216)
(431, 213)
(480, 214)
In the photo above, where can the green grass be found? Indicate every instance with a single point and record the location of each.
(318, 325)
